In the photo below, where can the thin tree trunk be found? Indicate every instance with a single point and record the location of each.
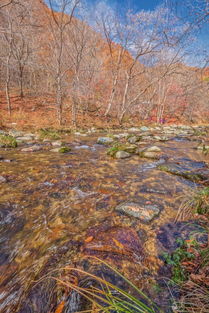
(59, 101)
(7, 89)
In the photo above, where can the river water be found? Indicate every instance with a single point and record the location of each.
(51, 201)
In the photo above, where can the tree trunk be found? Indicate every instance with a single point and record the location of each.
(59, 101)
(7, 89)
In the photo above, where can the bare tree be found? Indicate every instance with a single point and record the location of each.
(59, 24)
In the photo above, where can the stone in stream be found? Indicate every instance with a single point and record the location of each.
(134, 129)
(119, 136)
(33, 148)
(134, 139)
(150, 155)
(144, 212)
(153, 149)
(114, 242)
(122, 155)
(2, 179)
(144, 128)
(56, 143)
(105, 140)
(24, 138)
(16, 133)
(61, 149)
(187, 168)
(161, 138)
(169, 233)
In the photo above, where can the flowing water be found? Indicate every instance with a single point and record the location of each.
(51, 201)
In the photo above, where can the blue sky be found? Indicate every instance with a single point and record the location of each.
(202, 41)
(135, 4)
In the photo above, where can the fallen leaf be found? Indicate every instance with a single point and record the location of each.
(89, 239)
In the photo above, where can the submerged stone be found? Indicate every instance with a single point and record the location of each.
(2, 179)
(114, 242)
(193, 170)
(144, 212)
(150, 155)
(32, 148)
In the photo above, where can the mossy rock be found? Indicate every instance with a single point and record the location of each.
(64, 149)
(7, 141)
(121, 147)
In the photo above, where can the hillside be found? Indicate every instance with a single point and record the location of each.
(56, 63)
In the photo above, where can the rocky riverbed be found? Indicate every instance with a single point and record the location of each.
(112, 194)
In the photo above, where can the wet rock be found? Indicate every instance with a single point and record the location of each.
(41, 298)
(105, 140)
(121, 148)
(144, 212)
(144, 128)
(85, 147)
(119, 136)
(150, 155)
(33, 148)
(122, 155)
(134, 139)
(169, 233)
(80, 134)
(161, 138)
(189, 169)
(56, 143)
(153, 149)
(114, 242)
(148, 166)
(16, 133)
(61, 150)
(134, 129)
(24, 138)
(2, 179)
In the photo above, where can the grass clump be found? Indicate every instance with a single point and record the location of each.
(201, 201)
(104, 297)
(7, 141)
(49, 134)
(195, 202)
(194, 270)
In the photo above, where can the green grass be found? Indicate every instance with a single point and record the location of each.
(179, 275)
(108, 298)
(7, 141)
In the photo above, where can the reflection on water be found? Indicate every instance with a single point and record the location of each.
(51, 201)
